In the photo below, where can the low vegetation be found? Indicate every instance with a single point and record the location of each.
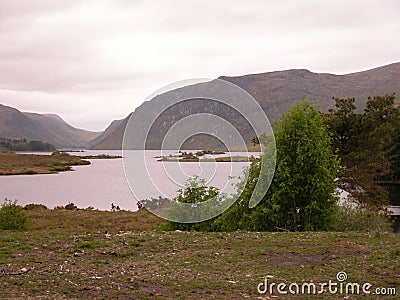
(87, 254)
(90, 220)
(362, 219)
(18, 164)
(12, 216)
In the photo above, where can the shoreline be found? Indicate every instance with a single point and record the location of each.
(31, 164)
(13, 164)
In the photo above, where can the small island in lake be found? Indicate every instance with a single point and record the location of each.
(100, 156)
(198, 157)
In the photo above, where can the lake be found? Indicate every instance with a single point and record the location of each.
(103, 182)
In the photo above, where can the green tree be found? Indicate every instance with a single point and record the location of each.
(304, 183)
(301, 196)
(394, 154)
(372, 160)
(365, 143)
(378, 126)
(343, 123)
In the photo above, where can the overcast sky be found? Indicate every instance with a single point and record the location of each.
(95, 61)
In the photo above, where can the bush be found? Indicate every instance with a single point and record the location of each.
(34, 206)
(58, 153)
(71, 206)
(12, 216)
(362, 220)
(195, 191)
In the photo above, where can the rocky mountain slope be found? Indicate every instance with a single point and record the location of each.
(48, 128)
(275, 92)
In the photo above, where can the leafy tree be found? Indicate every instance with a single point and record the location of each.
(301, 196)
(378, 125)
(365, 144)
(343, 122)
(394, 154)
(373, 157)
(381, 109)
(304, 183)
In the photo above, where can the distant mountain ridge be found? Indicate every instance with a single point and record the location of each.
(47, 128)
(111, 138)
(275, 91)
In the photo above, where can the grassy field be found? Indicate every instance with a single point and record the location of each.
(83, 254)
(18, 164)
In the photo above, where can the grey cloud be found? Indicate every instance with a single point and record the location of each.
(260, 17)
(102, 50)
(20, 13)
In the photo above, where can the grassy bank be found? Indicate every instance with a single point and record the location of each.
(85, 220)
(18, 164)
(68, 254)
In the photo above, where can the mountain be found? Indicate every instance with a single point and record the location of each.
(47, 128)
(112, 137)
(275, 92)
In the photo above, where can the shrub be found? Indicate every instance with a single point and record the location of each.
(33, 206)
(12, 216)
(195, 191)
(58, 153)
(71, 206)
(362, 219)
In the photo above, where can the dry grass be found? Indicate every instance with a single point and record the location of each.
(78, 221)
(69, 256)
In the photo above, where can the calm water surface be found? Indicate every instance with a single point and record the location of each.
(103, 182)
